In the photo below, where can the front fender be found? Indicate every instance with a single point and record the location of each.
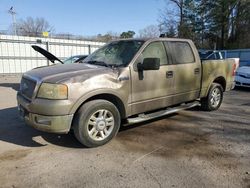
(97, 92)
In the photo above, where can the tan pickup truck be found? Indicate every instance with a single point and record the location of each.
(132, 80)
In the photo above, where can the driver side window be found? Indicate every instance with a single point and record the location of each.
(155, 50)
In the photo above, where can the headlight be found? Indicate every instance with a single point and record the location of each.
(53, 91)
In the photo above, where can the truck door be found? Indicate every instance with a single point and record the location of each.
(152, 89)
(187, 71)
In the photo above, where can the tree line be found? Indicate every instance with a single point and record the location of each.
(220, 24)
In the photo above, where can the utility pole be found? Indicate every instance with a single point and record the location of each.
(13, 15)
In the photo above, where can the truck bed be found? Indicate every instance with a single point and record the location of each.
(220, 69)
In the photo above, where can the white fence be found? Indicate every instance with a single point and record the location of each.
(17, 56)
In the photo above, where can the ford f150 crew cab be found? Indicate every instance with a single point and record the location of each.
(127, 81)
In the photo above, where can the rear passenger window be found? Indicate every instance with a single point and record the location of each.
(181, 52)
(155, 50)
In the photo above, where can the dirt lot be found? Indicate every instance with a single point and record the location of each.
(187, 149)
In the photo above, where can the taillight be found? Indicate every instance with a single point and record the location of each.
(234, 69)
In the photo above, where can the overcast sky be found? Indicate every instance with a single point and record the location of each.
(86, 17)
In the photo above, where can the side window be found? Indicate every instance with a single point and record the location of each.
(181, 52)
(155, 50)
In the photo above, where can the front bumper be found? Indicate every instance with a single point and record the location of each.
(55, 122)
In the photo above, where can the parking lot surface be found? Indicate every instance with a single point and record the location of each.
(187, 149)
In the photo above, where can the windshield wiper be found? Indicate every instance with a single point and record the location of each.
(101, 63)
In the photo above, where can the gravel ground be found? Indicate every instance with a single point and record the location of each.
(187, 149)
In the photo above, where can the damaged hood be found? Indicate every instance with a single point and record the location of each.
(63, 73)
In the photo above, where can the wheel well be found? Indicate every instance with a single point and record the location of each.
(221, 80)
(111, 98)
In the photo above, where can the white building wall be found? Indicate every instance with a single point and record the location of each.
(17, 56)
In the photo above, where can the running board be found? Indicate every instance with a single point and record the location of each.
(146, 117)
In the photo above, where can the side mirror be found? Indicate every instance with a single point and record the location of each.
(149, 64)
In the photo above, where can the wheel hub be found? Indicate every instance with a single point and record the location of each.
(100, 124)
(216, 97)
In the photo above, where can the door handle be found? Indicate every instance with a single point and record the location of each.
(197, 71)
(169, 74)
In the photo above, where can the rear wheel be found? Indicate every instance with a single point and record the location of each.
(96, 123)
(213, 99)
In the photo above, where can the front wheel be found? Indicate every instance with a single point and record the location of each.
(96, 123)
(213, 99)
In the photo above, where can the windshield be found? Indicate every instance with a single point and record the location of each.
(117, 53)
(74, 59)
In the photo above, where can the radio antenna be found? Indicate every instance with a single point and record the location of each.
(13, 13)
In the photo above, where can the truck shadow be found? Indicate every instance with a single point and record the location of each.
(13, 130)
(175, 130)
(125, 127)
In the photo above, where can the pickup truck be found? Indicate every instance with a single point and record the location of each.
(124, 82)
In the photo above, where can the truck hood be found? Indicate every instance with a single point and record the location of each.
(46, 54)
(63, 73)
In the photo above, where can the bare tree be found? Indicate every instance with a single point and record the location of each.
(174, 16)
(150, 31)
(33, 27)
(180, 5)
(171, 32)
(169, 18)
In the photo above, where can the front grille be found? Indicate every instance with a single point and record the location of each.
(27, 87)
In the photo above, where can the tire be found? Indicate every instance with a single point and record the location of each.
(96, 123)
(213, 99)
